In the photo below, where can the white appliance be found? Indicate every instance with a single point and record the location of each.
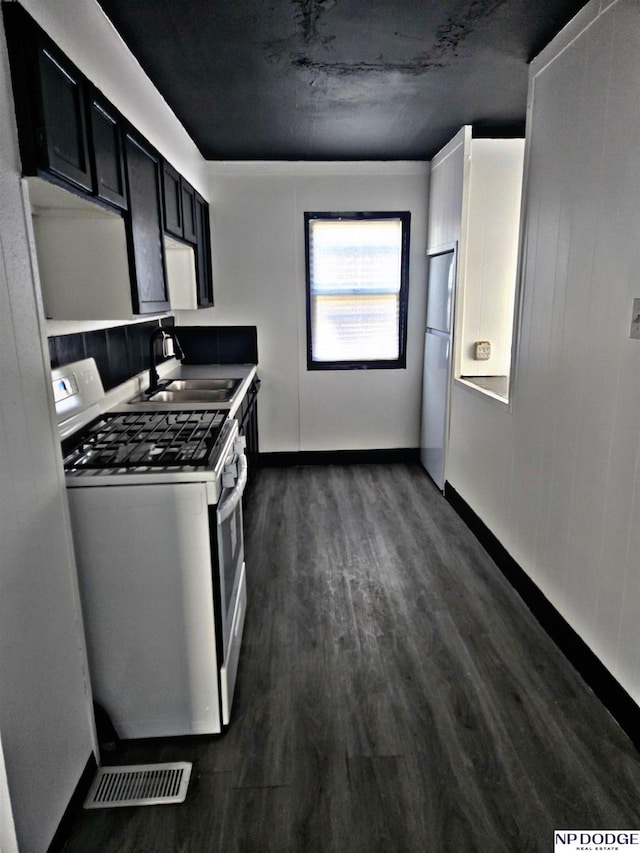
(156, 509)
(436, 379)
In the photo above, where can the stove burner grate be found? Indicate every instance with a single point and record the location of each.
(145, 439)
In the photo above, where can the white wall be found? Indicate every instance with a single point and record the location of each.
(259, 279)
(46, 723)
(557, 479)
(486, 300)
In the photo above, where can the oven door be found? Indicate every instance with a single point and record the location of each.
(233, 594)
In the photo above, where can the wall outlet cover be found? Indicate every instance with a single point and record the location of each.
(635, 320)
(483, 350)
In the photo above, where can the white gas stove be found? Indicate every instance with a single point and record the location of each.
(156, 507)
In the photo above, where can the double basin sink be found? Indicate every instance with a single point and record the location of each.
(192, 391)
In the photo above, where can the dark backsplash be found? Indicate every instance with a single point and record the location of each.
(218, 344)
(123, 351)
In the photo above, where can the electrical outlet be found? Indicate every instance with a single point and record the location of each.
(483, 350)
(635, 320)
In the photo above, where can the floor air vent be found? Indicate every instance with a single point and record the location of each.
(139, 785)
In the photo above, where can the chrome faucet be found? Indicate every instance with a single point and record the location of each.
(165, 333)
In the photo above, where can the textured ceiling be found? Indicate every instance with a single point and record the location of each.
(339, 79)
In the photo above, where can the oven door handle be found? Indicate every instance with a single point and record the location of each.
(228, 507)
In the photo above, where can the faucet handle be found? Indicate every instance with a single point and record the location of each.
(178, 351)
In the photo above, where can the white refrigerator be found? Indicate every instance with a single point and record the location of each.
(436, 381)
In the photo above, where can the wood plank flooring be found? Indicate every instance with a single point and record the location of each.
(394, 694)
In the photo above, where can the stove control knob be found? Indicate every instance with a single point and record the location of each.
(239, 444)
(229, 475)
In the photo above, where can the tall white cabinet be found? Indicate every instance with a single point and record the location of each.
(474, 206)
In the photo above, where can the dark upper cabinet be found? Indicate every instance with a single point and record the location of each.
(144, 226)
(172, 196)
(49, 94)
(107, 148)
(62, 136)
(186, 216)
(68, 131)
(70, 134)
(204, 276)
(188, 211)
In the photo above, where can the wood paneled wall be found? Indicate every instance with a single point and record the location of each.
(557, 478)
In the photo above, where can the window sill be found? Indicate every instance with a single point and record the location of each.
(495, 387)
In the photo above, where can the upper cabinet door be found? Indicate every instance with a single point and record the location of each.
(49, 96)
(203, 253)
(188, 211)
(172, 198)
(62, 137)
(108, 155)
(144, 227)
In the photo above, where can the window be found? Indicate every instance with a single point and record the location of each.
(357, 289)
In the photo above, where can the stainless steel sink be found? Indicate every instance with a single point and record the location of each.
(192, 391)
(228, 385)
(190, 395)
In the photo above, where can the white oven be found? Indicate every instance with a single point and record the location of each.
(156, 511)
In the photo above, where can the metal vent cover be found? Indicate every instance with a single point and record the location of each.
(139, 785)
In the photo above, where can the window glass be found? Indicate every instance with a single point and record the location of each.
(356, 289)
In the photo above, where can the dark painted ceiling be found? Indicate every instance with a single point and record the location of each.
(339, 79)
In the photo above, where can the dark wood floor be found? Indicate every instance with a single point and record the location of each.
(394, 694)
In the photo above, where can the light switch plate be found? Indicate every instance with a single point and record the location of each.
(635, 320)
(483, 350)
